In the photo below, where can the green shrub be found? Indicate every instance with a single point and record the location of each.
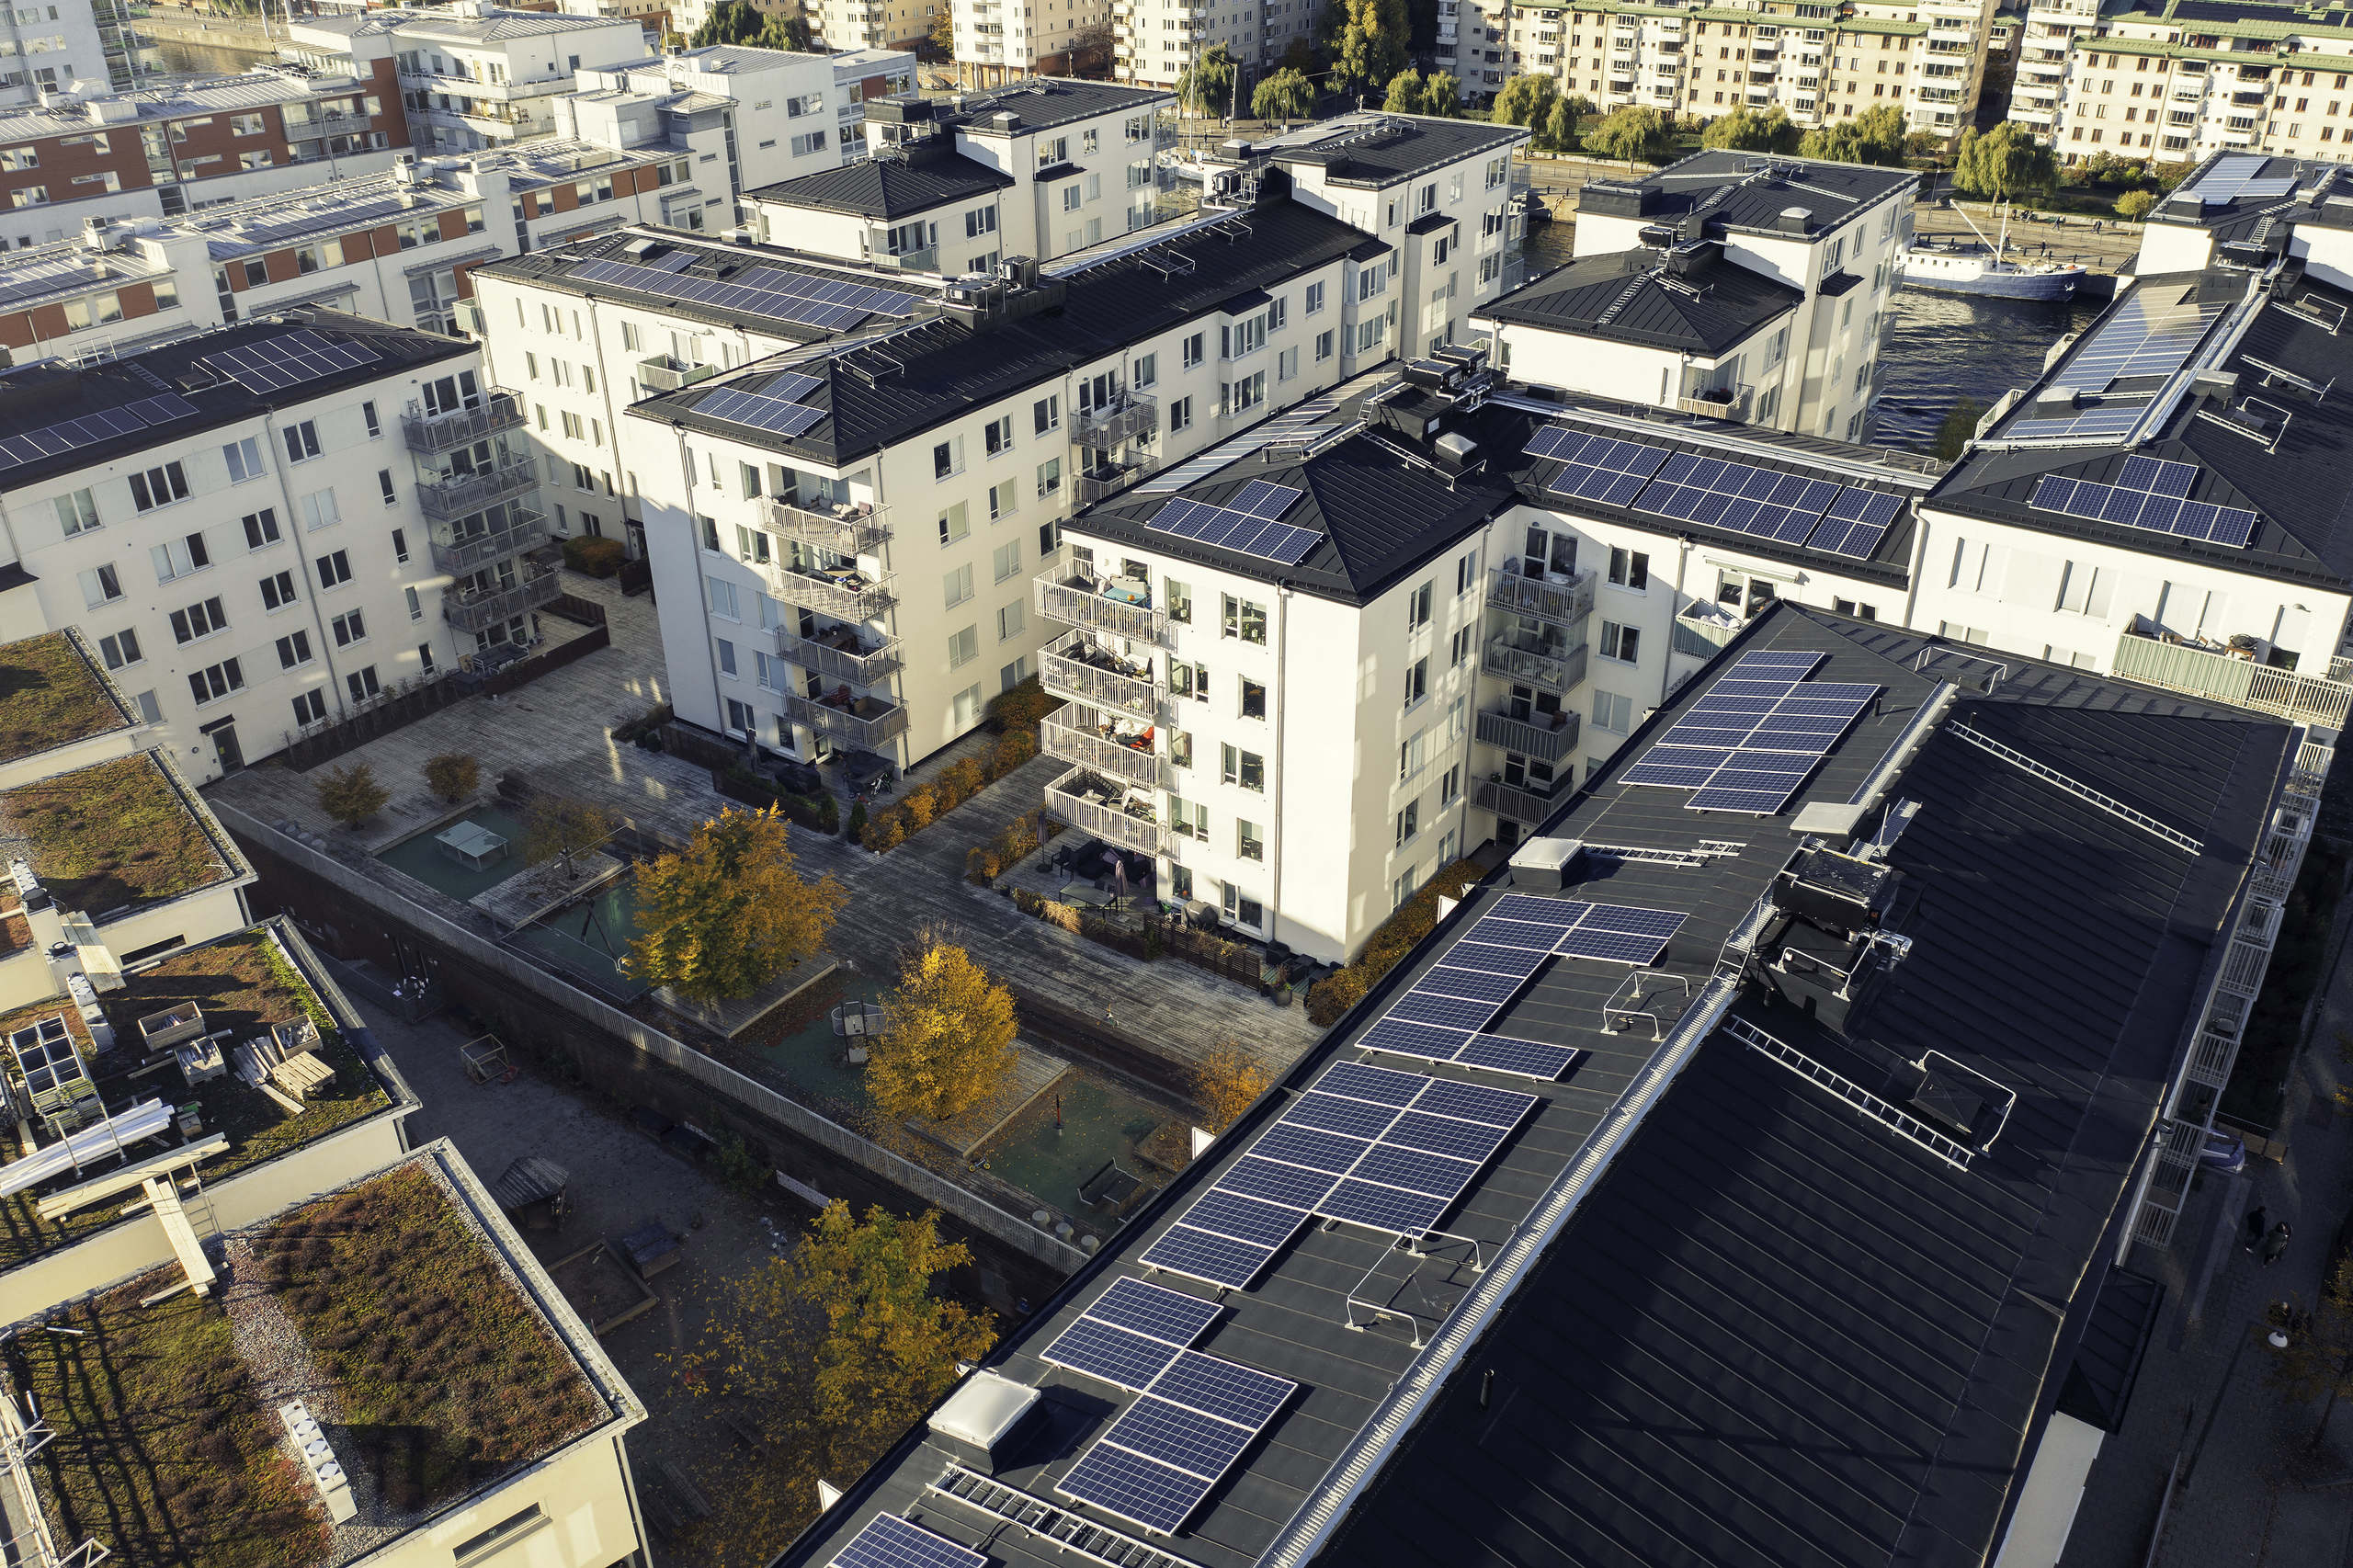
(1023, 707)
(858, 820)
(593, 557)
(1397, 936)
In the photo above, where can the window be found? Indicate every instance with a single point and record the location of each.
(120, 649)
(953, 525)
(1003, 499)
(293, 650)
(1324, 345)
(1248, 842)
(362, 684)
(722, 599)
(1244, 620)
(1046, 414)
(261, 527)
(1245, 768)
(1629, 569)
(1417, 681)
(1254, 698)
(1180, 601)
(179, 557)
(1012, 620)
(76, 513)
(1180, 414)
(384, 483)
(319, 510)
(1243, 910)
(158, 487)
(1413, 754)
(367, 418)
(997, 435)
(348, 628)
(1194, 347)
(948, 457)
(1409, 822)
(1315, 299)
(1466, 573)
(243, 458)
(957, 587)
(726, 655)
(1147, 370)
(1005, 560)
(1613, 712)
(301, 441)
(202, 619)
(1417, 609)
(1050, 477)
(217, 681)
(311, 707)
(1621, 642)
(335, 570)
(965, 710)
(100, 585)
(963, 647)
(278, 590)
(1449, 785)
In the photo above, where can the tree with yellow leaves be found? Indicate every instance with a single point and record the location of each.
(1228, 1080)
(728, 913)
(947, 1039)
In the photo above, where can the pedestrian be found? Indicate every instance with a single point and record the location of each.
(2258, 1221)
(2275, 1246)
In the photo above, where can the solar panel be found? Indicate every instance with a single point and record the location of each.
(1616, 947)
(1246, 1219)
(1114, 1356)
(1415, 1170)
(1794, 664)
(829, 303)
(90, 430)
(1856, 522)
(2154, 510)
(890, 1541)
(1561, 912)
(1399, 1038)
(273, 364)
(1496, 931)
(1291, 1186)
(1261, 498)
(1224, 1388)
(1609, 471)
(1742, 748)
(2236, 176)
(1337, 1113)
(1485, 957)
(1377, 1085)
(1239, 531)
(1473, 1102)
(1385, 1208)
(1305, 1147)
(1471, 984)
(758, 411)
(1619, 932)
(1227, 1261)
(1423, 1007)
(1193, 1442)
(1165, 1453)
(1125, 1484)
(1147, 1309)
(1469, 1141)
(1738, 498)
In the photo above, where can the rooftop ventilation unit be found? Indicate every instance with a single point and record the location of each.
(1956, 1099)
(1541, 865)
(1827, 942)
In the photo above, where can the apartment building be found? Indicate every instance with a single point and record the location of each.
(49, 49)
(997, 42)
(1038, 170)
(1928, 60)
(471, 75)
(266, 527)
(895, 25)
(1154, 40)
(861, 75)
(775, 112)
(1743, 288)
(168, 150)
(1438, 191)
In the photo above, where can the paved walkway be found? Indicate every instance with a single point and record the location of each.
(555, 731)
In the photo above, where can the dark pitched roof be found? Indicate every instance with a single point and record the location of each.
(2304, 531)
(1378, 149)
(2320, 190)
(1040, 103)
(40, 395)
(941, 368)
(1706, 306)
(887, 186)
(1719, 190)
(1725, 1317)
(2108, 1359)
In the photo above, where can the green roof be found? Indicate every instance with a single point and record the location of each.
(51, 696)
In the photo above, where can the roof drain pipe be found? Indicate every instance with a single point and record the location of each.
(1310, 1527)
(1282, 767)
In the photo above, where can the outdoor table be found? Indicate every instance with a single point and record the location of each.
(471, 845)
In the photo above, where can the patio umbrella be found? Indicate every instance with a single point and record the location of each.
(1119, 880)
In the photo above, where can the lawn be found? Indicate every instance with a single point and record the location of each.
(163, 1452)
(49, 698)
(112, 836)
(447, 1375)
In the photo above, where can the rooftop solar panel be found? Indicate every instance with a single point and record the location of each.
(1512, 962)
(758, 411)
(1384, 1208)
(1473, 1102)
(1195, 1443)
(1260, 498)
(1109, 1354)
(1379, 1084)
(1415, 1170)
(1317, 1151)
(1337, 1113)
(890, 1541)
(1469, 1141)
(1420, 1006)
(1152, 1310)
(1293, 1185)
(2153, 510)
(1144, 1492)
(1856, 522)
(1226, 1261)
(1492, 990)
(273, 364)
(1245, 1218)
(91, 429)
(1224, 1388)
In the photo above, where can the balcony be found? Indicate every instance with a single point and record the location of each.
(1561, 603)
(329, 125)
(1077, 667)
(1530, 738)
(1716, 403)
(467, 493)
(851, 528)
(1130, 415)
(483, 610)
(1557, 670)
(663, 374)
(1106, 480)
(1110, 812)
(845, 595)
(1070, 592)
(459, 556)
(1123, 754)
(431, 433)
(1527, 807)
(924, 260)
(2218, 674)
(841, 655)
(868, 722)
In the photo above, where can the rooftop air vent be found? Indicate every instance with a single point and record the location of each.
(1794, 221)
(1954, 1098)
(1541, 865)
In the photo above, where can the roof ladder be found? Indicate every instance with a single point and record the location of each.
(1042, 1518)
(2084, 792)
(1905, 1125)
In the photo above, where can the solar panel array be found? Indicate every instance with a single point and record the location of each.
(1132, 1334)
(2142, 337)
(2240, 175)
(831, 303)
(770, 408)
(1754, 739)
(1789, 509)
(1390, 1151)
(92, 429)
(1246, 523)
(276, 363)
(890, 1541)
(2151, 493)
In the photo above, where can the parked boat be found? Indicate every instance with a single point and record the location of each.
(1987, 267)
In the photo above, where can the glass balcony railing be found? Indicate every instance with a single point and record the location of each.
(872, 723)
(483, 610)
(430, 433)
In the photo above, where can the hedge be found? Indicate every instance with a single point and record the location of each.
(887, 827)
(593, 557)
(1399, 935)
(739, 783)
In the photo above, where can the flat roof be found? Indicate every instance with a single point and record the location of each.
(1040, 103)
(118, 836)
(52, 694)
(252, 90)
(1715, 191)
(1373, 148)
(1716, 1313)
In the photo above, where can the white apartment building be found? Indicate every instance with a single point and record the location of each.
(48, 49)
(774, 114)
(1742, 289)
(471, 75)
(1038, 170)
(1154, 40)
(897, 25)
(997, 41)
(297, 517)
(1929, 60)
(861, 75)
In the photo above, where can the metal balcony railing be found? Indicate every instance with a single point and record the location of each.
(467, 493)
(1102, 483)
(1563, 604)
(858, 529)
(430, 433)
(2179, 666)
(1076, 742)
(661, 373)
(480, 610)
(1069, 591)
(1072, 799)
(1529, 807)
(1544, 743)
(871, 667)
(1076, 667)
(851, 596)
(1123, 419)
(1558, 673)
(459, 556)
(329, 125)
(870, 722)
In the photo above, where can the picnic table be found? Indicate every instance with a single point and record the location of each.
(471, 845)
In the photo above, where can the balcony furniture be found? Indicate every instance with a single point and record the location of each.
(431, 433)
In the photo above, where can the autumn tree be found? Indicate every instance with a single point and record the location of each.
(737, 21)
(1443, 95)
(453, 774)
(1227, 1082)
(2135, 205)
(1559, 132)
(1525, 100)
(728, 913)
(1747, 131)
(1372, 48)
(1286, 93)
(947, 1039)
(556, 827)
(351, 795)
(943, 31)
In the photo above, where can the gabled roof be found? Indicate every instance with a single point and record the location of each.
(886, 186)
(1708, 306)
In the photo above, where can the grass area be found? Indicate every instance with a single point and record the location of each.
(2299, 966)
(49, 697)
(114, 834)
(448, 1375)
(244, 984)
(163, 1452)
